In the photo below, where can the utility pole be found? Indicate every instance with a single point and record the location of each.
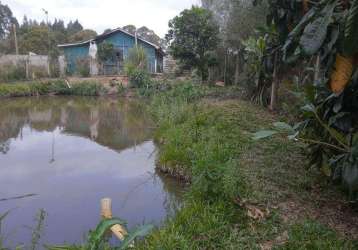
(136, 38)
(15, 40)
(48, 41)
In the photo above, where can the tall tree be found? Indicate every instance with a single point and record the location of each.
(130, 28)
(82, 35)
(238, 20)
(7, 20)
(74, 27)
(192, 36)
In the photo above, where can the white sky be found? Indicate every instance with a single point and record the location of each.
(102, 14)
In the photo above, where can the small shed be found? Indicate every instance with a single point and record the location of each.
(78, 53)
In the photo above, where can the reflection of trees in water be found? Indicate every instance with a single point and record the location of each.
(112, 123)
(5, 146)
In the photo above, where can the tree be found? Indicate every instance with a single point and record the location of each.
(130, 28)
(7, 20)
(192, 36)
(148, 35)
(35, 40)
(106, 31)
(74, 27)
(82, 35)
(238, 20)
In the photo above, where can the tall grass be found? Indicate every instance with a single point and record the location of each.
(57, 87)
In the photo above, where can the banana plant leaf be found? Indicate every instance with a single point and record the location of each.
(263, 134)
(350, 43)
(315, 32)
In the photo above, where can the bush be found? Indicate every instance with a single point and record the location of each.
(136, 60)
(10, 72)
(139, 78)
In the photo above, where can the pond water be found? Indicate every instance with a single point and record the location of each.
(64, 154)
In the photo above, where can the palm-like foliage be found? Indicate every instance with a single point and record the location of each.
(329, 29)
(98, 239)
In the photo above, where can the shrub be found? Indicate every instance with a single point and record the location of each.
(15, 90)
(139, 78)
(54, 87)
(136, 60)
(10, 72)
(87, 89)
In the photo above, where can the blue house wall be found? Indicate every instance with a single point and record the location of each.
(121, 41)
(125, 42)
(73, 54)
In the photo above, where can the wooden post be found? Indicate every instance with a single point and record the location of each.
(15, 40)
(106, 213)
(27, 67)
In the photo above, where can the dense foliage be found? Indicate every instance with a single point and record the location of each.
(136, 67)
(7, 20)
(192, 37)
(40, 38)
(326, 30)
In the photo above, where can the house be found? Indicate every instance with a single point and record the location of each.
(77, 53)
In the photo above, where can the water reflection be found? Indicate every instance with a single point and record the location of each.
(72, 152)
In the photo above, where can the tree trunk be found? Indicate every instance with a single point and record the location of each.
(237, 69)
(275, 85)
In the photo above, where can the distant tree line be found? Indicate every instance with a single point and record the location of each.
(37, 37)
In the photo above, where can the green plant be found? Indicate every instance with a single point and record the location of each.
(37, 231)
(106, 52)
(136, 60)
(192, 36)
(10, 72)
(139, 78)
(57, 87)
(98, 239)
(312, 235)
(326, 30)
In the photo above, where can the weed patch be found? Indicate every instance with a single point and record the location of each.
(58, 87)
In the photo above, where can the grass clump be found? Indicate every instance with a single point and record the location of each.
(312, 235)
(57, 87)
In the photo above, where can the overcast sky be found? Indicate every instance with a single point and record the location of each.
(102, 14)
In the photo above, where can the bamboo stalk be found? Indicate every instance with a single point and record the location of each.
(106, 213)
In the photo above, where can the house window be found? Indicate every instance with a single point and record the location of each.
(119, 55)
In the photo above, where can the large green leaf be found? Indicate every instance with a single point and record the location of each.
(263, 134)
(284, 126)
(96, 237)
(315, 32)
(350, 44)
(139, 232)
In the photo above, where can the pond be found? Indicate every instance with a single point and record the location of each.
(64, 154)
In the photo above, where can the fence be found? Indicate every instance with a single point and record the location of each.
(29, 67)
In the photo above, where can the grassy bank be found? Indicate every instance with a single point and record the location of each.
(57, 87)
(243, 194)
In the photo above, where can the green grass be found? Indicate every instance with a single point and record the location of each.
(57, 87)
(208, 142)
